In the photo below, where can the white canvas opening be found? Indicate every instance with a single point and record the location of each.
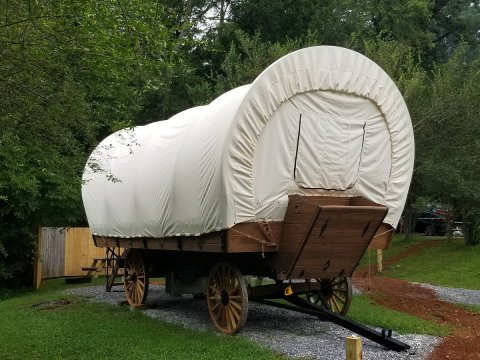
(316, 165)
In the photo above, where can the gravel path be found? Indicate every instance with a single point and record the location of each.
(293, 334)
(454, 295)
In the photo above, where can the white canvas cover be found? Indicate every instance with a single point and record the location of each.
(321, 120)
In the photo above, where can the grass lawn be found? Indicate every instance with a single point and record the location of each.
(472, 308)
(399, 244)
(83, 330)
(450, 264)
(364, 310)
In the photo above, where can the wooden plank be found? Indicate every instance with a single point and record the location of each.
(254, 237)
(338, 227)
(246, 245)
(334, 264)
(328, 260)
(336, 219)
(206, 243)
(361, 201)
(80, 251)
(37, 267)
(73, 254)
(315, 272)
(304, 240)
(52, 252)
(89, 268)
(322, 200)
(319, 250)
(243, 237)
(335, 236)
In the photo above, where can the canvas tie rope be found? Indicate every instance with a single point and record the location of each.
(265, 232)
(383, 233)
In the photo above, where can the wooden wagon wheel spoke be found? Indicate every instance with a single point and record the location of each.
(222, 277)
(334, 294)
(235, 312)
(135, 279)
(318, 297)
(222, 321)
(232, 292)
(229, 320)
(215, 289)
(233, 318)
(227, 298)
(233, 283)
(335, 307)
(217, 280)
(135, 294)
(339, 298)
(214, 307)
(219, 313)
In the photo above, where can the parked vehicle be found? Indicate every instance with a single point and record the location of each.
(431, 224)
(457, 229)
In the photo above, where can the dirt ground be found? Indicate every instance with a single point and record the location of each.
(464, 341)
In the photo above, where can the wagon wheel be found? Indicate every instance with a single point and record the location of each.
(135, 279)
(227, 298)
(334, 294)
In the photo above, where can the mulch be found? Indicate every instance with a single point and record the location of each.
(464, 340)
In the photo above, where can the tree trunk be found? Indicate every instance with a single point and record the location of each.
(471, 232)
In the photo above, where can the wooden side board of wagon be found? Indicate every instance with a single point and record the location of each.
(248, 237)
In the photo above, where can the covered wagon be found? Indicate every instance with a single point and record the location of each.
(288, 178)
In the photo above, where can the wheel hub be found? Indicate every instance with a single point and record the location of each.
(132, 277)
(326, 288)
(224, 298)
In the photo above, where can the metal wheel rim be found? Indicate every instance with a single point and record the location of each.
(336, 296)
(135, 279)
(227, 298)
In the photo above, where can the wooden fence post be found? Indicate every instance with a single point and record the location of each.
(379, 260)
(37, 264)
(353, 348)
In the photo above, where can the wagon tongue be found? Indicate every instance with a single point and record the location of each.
(306, 307)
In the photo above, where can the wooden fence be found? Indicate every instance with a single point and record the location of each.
(63, 252)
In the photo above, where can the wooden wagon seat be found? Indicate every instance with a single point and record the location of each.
(325, 237)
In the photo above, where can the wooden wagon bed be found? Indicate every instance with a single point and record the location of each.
(320, 236)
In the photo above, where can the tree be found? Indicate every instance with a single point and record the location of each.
(71, 72)
(448, 163)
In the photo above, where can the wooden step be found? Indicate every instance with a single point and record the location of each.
(89, 268)
(78, 280)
